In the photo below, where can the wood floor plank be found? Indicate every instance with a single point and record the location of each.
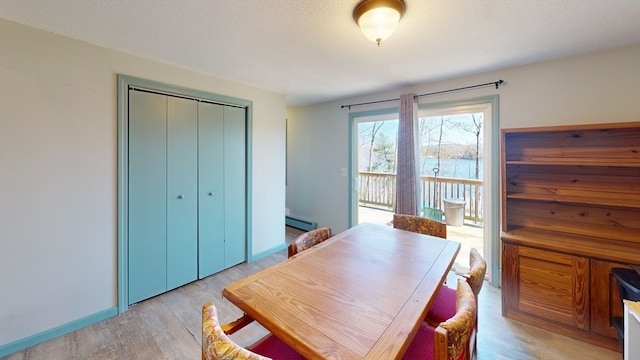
(94, 341)
(135, 338)
(168, 327)
(169, 333)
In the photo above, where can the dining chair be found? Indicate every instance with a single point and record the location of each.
(308, 239)
(450, 339)
(444, 304)
(419, 224)
(216, 345)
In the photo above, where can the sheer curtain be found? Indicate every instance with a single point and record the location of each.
(406, 178)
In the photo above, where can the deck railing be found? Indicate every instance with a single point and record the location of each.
(379, 190)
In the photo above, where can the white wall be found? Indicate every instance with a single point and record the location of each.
(594, 88)
(58, 173)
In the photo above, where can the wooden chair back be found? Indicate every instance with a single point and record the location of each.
(308, 239)
(452, 337)
(475, 279)
(444, 306)
(477, 271)
(421, 225)
(216, 345)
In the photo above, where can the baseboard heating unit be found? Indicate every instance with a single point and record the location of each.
(299, 223)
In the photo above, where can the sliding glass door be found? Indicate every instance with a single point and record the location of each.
(451, 168)
(374, 144)
(457, 167)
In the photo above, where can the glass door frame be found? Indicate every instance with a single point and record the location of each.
(491, 171)
(353, 154)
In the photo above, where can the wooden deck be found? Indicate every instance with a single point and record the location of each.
(469, 235)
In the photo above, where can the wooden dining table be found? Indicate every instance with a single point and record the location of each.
(359, 295)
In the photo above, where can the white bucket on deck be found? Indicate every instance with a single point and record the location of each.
(454, 211)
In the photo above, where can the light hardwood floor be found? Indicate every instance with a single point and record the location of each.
(168, 327)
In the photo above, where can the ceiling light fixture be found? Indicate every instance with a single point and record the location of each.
(378, 19)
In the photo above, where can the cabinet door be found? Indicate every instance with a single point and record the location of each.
(210, 189)
(147, 195)
(548, 285)
(235, 185)
(182, 191)
(605, 298)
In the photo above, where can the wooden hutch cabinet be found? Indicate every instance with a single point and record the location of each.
(570, 213)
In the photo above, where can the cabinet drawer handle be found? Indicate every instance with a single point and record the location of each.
(210, 194)
(180, 196)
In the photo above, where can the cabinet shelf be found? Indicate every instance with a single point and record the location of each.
(574, 185)
(604, 162)
(596, 199)
(587, 246)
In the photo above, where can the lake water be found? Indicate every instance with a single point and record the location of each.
(460, 168)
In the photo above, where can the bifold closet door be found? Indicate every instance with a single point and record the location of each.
(235, 188)
(222, 187)
(163, 246)
(182, 191)
(147, 195)
(210, 189)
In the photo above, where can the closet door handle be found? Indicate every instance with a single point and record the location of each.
(180, 196)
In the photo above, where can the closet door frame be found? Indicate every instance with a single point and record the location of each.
(124, 83)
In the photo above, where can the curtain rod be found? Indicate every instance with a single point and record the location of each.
(496, 83)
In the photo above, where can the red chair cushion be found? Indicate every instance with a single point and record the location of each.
(272, 347)
(444, 305)
(422, 348)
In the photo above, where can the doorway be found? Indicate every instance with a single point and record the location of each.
(373, 166)
(459, 161)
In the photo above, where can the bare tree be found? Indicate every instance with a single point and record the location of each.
(474, 127)
(431, 136)
(440, 142)
(426, 129)
(368, 137)
(436, 170)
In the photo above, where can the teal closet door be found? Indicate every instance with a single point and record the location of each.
(147, 195)
(186, 191)
(235, 185)
(210, 189)
(182, 191)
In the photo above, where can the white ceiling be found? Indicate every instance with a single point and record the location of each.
(312, 51)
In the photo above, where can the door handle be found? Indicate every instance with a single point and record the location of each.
(180, 196)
